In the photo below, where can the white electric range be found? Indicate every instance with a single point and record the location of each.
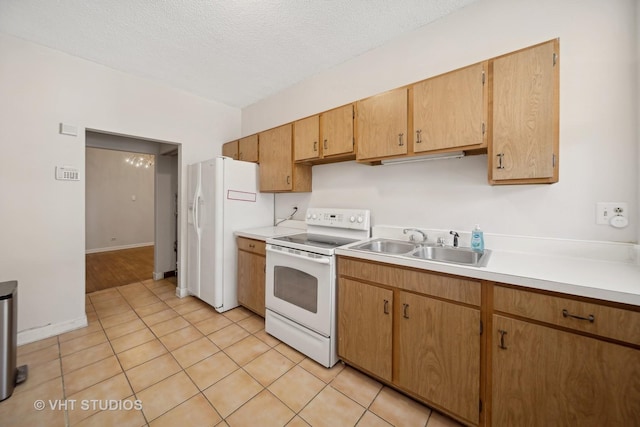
(301, 281)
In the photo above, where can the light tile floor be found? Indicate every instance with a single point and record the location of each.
(148, 358)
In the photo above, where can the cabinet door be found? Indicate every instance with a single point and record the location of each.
(365, 326)
(525, 116)
(337, 131)
(543, 376)
(251, 281)
(439, 353)
(306, 138)
(449, 110)
(276, 161)
(381, 127)
(248, 148)
(230, 149)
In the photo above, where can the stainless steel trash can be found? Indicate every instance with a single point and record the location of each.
(9, 374)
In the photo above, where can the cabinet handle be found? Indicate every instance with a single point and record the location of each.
(405, 313)
(419, 136)
(386, 306)
(325, 144)
(288, 179)
(502, 334)
(565, 313)
(315, 145)
(400, 142)
(251, 245)
(500, 165)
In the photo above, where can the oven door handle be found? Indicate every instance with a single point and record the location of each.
(322, 260)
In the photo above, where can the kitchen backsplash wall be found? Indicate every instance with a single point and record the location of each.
(598, 130)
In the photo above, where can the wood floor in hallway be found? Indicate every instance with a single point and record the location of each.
(110, 269)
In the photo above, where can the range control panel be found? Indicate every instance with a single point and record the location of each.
(354, 219)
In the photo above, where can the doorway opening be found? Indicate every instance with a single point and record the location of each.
(131, 205)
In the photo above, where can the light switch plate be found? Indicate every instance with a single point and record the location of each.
(67, 129)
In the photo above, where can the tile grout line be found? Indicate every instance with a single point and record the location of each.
(130, 300)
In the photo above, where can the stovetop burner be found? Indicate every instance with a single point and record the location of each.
(328, 229)
(316, 240)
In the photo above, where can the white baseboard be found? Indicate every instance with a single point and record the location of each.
(158, 275)
(181, 292)
(117, 248)
(51, 330)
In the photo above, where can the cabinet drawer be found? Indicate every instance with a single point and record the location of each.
(250, 245)
(369, 271)
(447, 287)
(594, 318)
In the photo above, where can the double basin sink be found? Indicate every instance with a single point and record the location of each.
(426, 251)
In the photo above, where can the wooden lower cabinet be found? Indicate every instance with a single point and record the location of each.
(542, 376)
(422, 344)
(545, 359)
(251, 274)
(439, 353)
(365, 326)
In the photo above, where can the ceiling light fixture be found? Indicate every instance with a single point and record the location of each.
(141, 160)
(439, 156)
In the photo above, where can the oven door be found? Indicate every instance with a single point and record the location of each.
(300, 286)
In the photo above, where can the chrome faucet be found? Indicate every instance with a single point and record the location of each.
(455, 238)
(412, 238)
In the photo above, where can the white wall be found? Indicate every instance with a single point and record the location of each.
(119, 202)
(637, 64)
(598, 131)
(42, 221)
(165, 234)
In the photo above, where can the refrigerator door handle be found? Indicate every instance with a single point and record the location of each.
(196, 214)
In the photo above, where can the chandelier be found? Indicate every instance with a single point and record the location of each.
(141, 160)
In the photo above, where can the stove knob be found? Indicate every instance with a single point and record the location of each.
(352, 218)
(360, 219)
(314, 216)
(308, 215)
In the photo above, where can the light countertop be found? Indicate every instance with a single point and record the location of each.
(609, 280)
(264, 233)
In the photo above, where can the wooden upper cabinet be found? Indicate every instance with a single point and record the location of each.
(278, 173)
(248, 148)
(325, 138)
(381, 125)
(230, 149)
(306, 138)
(449, 111)
(245, 149)
(336, 131)
(525, 128)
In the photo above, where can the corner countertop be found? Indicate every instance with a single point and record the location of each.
(615, 280)
(264, 233)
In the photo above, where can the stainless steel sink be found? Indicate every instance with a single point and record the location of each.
(463, 256)
(426, 251)
(386, 246)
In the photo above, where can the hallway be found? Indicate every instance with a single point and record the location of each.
(110, 269)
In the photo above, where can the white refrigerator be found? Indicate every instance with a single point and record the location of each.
(223, 198)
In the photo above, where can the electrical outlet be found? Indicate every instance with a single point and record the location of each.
(607, 210)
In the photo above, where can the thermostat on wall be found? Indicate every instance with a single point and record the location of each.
(66, 173)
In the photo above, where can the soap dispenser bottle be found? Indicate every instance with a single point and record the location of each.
(477, 239)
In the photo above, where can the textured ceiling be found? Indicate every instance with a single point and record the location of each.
(231, 51)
